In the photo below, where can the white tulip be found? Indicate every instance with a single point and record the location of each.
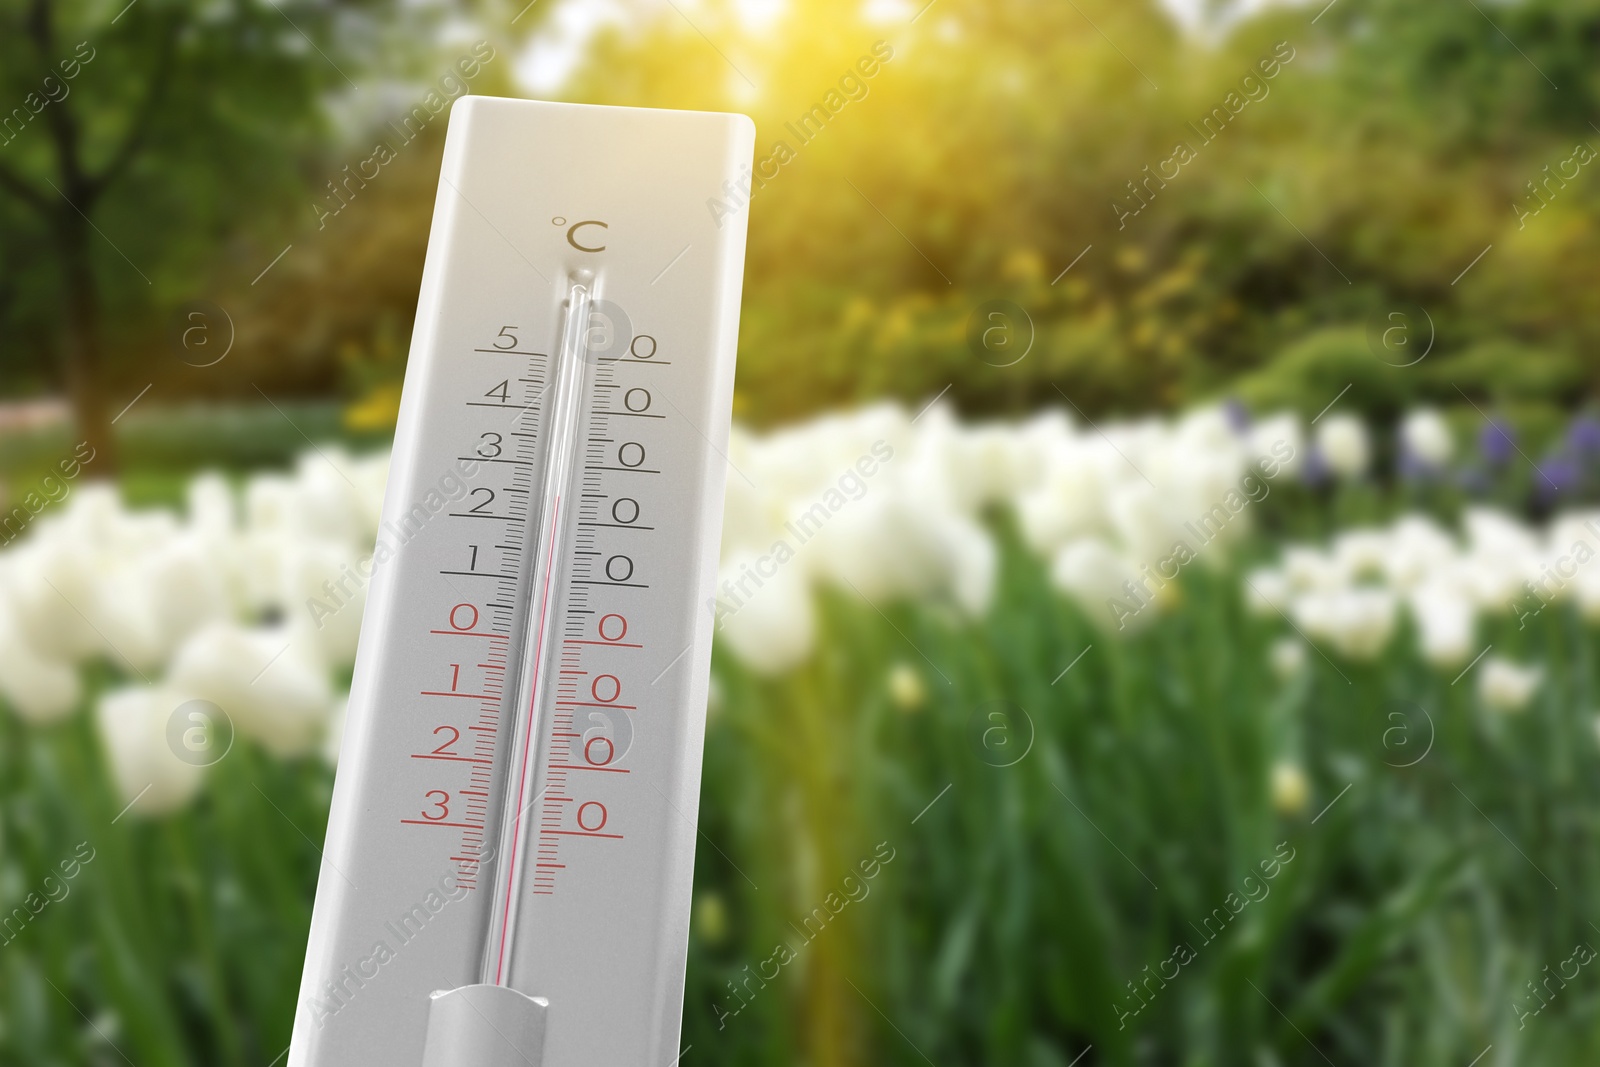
(1367, 623)
(1288, 657)
(261, 556)
(1427, 436)
(125, 619)
(52, 587)
(1444, 619)
(1362, 553)
(1267, 591)
(1494, 533)
(751, 517)
(1096, 575)
(331, 504)
(973, 562)
(370, 473)
(1502, 555)
(134, 731)
(1207, 432)
(1034, 439)
(1418, 550)
(324, 592)
(1506, 686)
(269, 681)
(1358, 622)
(1311, 569)
(40, 689)
(1571, 529)
(1069, 502)
(211, 505)
(1291, 790)
(188, 581)
(1139, 519)
(1586, 591)
(1342, 440)
(1206, 499)
(907, 690)
(893, 543)
(271, 504)
(94, 513)
(1273, 438)
(770, 627)
(972, 466)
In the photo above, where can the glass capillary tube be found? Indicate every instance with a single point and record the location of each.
(536, 684)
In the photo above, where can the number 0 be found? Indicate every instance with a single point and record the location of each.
(592, 811)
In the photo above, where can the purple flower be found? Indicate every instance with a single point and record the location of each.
(1583, 436)
(1237, 415)
(1315, 471)
(1557, 474)
(1497, 442)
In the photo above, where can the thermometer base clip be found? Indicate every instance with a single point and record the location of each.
(485, 1026)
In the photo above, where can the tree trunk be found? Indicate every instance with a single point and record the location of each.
(81, 346)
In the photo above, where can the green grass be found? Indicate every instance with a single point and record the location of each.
(1413, 911)
(162, 447)
(181, 941)
(1016, 907)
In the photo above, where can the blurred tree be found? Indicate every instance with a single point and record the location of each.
(133, 141)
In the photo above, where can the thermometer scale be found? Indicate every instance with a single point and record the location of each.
(508, 861)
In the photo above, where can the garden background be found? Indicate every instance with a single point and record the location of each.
(1094, 268)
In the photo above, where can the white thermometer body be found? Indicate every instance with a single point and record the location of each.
(517, 792)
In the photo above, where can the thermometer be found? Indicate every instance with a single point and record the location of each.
(506, 879)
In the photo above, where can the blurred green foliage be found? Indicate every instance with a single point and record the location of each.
(1382, 159)
(994, 147)
(1017, 907)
